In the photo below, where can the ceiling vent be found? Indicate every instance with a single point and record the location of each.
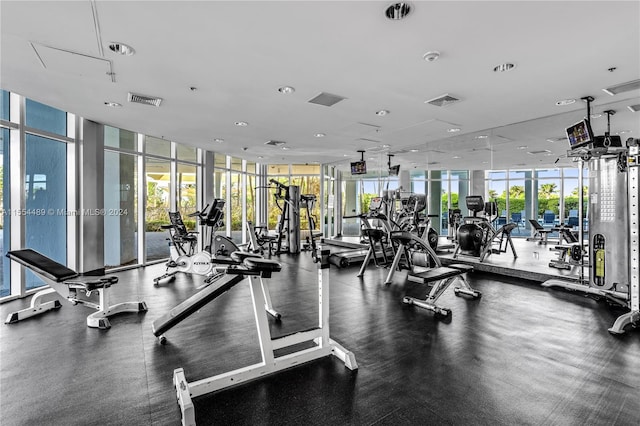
(397, 11)
(275, 143)
(634, 108)
(623, 87)
(326, 99)
(544, 151)
(142, 99)
(443, 100)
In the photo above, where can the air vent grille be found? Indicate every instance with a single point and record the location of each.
(326, 99)
(623, 87)
(142, 99)
(443, 100)
(544, 151)
(634, 108)
(275, 143)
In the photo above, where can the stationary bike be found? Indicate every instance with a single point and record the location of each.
(217, 250)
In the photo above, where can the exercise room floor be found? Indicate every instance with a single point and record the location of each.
(520, 355)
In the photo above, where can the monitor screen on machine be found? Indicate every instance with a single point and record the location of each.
(580, 134)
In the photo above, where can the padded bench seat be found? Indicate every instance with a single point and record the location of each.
(89, 291)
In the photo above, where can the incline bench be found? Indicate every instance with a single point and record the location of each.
(85, 290)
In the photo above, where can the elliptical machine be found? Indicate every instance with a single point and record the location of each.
(477, 235)
(201, 263)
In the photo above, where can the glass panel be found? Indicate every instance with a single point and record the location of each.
(309, 185)
(518, 201)
(157, 178)
(251, 167)
(118, 138)
(305, 169)
(236, 207)
(4, 105)
(44, 117)
(220, 185)
(186, 153)
(5, 219)
(417, 174)
(186, 196)
(278, 170)
(220, 161)
(45, 200)
(120, 194)
(156, 146)
(548, 201)
(251, 198)
(275, 202)
(236, 164)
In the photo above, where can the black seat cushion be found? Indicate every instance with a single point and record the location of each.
(259, 264)
(42, 264)
(403, 237)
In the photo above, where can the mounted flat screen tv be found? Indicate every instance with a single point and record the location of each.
(394, 170)
(580, 134)
(359, 168)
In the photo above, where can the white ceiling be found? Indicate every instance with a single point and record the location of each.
(238, 53)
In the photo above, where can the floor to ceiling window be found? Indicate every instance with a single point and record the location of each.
(121, 196)
(45, 183)
(157, 183)
(5, 219)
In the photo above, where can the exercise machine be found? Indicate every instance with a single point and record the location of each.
(614, 221)
(231, 275)
(217, 249)
(380, 233)
(287, 198)
(417, 253)
(477, 237)
(323, 345)
(87, 290)
(308, 202)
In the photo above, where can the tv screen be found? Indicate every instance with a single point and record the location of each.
(359, 168)
(394, 170)
(580, 134)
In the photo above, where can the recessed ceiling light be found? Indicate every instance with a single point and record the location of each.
(286, 90)
(550, 140)
(386, 145)
(397, 11)
(260, 157)
(413, 150)
(320, 135)
(241, 123)
(218, 140)
(564, 102)
(453, 130)
(431, 56)
(504, 67)
(121, 48)
(622, 132)
(485, 162)
(523, 147)
(482, 137)
(382, 112)
(112, 104)
(596, 115)
(285, 148)
(456, 156)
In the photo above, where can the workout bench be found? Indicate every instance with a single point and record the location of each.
(77, 289)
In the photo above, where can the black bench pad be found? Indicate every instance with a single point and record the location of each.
(42, 264)
(262, 265)
(440, 273)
